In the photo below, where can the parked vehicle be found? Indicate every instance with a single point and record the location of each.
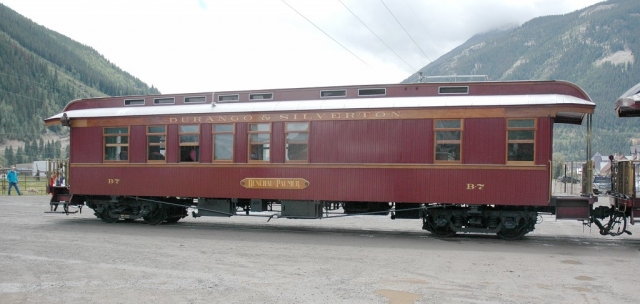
(601, 185)
(568, 179)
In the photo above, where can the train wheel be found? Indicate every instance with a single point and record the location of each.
(155, 217)
(516, 233)
(105, 217)
(443, 232)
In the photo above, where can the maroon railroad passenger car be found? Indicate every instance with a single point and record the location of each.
(475, 157)
(625, 173)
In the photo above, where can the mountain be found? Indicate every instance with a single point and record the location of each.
(596, 48)
(41, 71)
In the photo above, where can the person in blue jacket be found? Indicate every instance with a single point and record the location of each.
(12, 176)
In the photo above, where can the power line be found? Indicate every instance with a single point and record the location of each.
(405, 30)
(20, 95)
(324, 32)
(377, 36)
(419, 20)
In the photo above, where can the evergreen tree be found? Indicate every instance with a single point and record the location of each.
(19, 156)
(57, 148)
(8, 156)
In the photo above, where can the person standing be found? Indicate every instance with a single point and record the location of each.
(12, 176)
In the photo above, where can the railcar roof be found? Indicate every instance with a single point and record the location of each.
(420, 102)
(628, 105)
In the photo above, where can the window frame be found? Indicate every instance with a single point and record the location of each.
(526, 141)
(159, 144)
(458, 141)
(106, 145)
(213, 141)
(306, 142)
(251, 143)
(189, 144)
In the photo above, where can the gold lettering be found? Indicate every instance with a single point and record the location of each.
(210, 119)
(185, 119)
(197, 119)
(365, 114)
(350, 115)
(234, 118)
(265, 117)
(395, 114)
(222, 118)
(475, 186)
(320, 116)
(335, 115)
(304, 116)
(295, 116)
(381, 114)
(173, 120)
(247, 118)
(284, 117)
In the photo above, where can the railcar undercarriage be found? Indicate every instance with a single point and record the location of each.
(112, 208)
(509, 223)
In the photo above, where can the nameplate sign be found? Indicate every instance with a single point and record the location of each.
(275, 183)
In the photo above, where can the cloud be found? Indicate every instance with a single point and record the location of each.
(202, 4)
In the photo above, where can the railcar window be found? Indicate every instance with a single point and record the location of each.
(189, 143)
(333, 93)
(370, 92)
(197, 99)
(448, 137)
(134, 102)
(233, 97)
(168, 100)
(453, 90)
(297, 148)
(156, 137)
(223, 141)
(116, 144)
(261, 96)
(521, 138)
(259, 141)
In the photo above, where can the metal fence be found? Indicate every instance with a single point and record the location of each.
(27, 183)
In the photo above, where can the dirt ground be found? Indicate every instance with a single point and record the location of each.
(54, 258)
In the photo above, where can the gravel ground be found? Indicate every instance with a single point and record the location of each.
(54, 258)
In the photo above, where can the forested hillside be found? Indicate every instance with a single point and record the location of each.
(595, 48)
(41, 71)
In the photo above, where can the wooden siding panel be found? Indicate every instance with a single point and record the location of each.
(173, 149)
(393, 141)
(511, 186)
(206, 143)
(278, 142)
(241, 149)
(138, 144)
(544, 141)
(87, 145)
(484, 141)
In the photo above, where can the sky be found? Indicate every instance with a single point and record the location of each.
(184, 46)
